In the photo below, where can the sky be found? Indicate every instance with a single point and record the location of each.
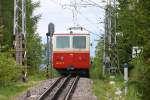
(60, 12)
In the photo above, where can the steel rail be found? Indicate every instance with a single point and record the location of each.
(57, 93)
(44, 95)
(71, 89)
(57, 87)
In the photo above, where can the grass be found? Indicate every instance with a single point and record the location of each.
(103, 90)
(10, 91)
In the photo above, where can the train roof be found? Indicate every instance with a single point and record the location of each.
(72, 32)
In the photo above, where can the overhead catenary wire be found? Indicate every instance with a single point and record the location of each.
(73, 6)
(89, 21)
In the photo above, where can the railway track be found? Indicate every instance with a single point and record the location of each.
(61, 89)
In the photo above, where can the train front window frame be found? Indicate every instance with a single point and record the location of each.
(62, 42)
(79, 42)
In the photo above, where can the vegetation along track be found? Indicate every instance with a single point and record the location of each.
(61, 89)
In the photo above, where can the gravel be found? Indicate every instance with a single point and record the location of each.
(34, 92)
(83, 90)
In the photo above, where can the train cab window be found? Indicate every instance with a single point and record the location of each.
(62, 42)
(79, 42)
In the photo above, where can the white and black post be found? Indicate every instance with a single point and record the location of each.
(126, 77)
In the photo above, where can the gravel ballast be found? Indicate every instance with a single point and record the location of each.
(34, 92)
(83, 90)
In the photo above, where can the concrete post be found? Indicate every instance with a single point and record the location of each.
(126, 77)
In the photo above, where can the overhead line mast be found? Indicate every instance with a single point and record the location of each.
(111, 61)
(19, 32)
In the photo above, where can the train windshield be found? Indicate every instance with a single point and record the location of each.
(79, 42)
(62, 42)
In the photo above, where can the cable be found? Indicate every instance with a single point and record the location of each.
(89, 21)
(75, 4)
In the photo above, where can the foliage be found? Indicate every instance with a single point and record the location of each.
(9, 92)
(33, 40)
(140, 74)
(96, 69)
(1, 28)
(7, 21)
(34, 45)
(34, 53)
(133, 26)
(133, 17)
(144, 83)
(9, 70)
(105, 91)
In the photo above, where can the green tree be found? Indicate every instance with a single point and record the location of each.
(34, 45)
(96, 69)
(133, 25)
(32, 38)
(134, 28)
(7, 21)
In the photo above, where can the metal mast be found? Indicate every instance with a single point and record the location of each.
(20, 30)
(111, 63)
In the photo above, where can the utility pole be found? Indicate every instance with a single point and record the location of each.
(19, 32)
(111, 62)
(107, 40)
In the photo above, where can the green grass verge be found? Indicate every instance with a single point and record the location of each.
(103, 90)
(10, 91)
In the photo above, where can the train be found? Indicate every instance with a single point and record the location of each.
(71, 51)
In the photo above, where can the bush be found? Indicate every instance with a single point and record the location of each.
(96, 69)
(138, 68)
(141, 75)
(9, 70)
(144, 83)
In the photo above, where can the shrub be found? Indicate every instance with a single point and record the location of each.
(96, 69)
(141, 75)
(9, 70)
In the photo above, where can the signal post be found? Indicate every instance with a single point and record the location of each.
(49, 35)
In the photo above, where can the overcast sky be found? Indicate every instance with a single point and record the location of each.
(89, 17)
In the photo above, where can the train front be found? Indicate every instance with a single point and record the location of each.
(71, 52)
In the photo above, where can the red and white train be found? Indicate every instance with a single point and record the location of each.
(71, 51)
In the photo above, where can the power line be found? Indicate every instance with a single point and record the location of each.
(75, 5)
(88, 20)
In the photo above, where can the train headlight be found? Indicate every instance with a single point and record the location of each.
(61, 58)
(84, 58)
(80, 58)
